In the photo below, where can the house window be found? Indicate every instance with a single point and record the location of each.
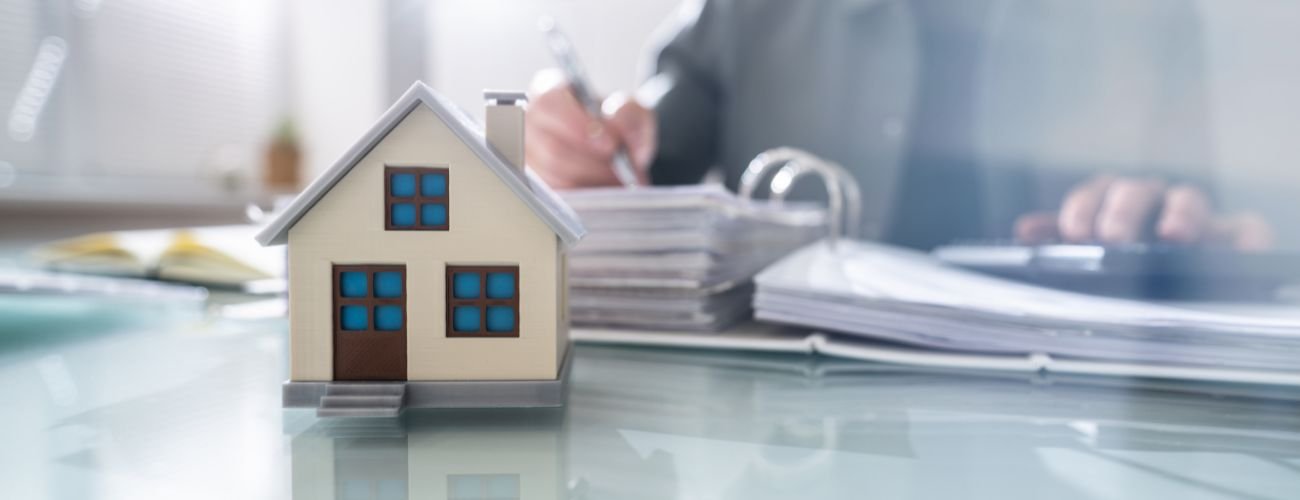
(416, 199)
(482, 301)
(483, 487)
(370, 299)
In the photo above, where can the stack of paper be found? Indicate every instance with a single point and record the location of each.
(901, 296)
(680, 257)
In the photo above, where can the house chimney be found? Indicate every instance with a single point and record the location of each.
(505, 124)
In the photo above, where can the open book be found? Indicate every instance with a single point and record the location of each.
(219, 256)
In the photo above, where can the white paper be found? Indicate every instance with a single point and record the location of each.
(677, 256)
(898, 295)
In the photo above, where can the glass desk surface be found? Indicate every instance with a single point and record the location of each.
(141, 402)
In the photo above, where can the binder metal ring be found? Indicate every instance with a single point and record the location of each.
(844, 203)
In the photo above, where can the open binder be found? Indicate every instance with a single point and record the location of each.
(851, 299)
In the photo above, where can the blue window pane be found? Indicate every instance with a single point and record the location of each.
(388, 284)
(503, 486)
(465, 319)
(433, 185)
(353, 284)
(500, 318)
(403, 185)
(464, 486)
(356, 489)
(388, 318)
(354, 318)
(500, 285)
(395, 489)
(433, 214)
(465, 285)
(403, 214)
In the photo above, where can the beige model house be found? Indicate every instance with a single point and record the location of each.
(428, 263)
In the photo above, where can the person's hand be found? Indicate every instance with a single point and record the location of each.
(1110, 209)
(569, 149)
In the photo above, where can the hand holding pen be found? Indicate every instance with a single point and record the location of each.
(575, 140)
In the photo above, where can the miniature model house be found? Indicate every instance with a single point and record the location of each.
(430, 259)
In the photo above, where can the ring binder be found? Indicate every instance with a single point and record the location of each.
(677, 257)
(844, 205)
(854, 299)
(888, 296)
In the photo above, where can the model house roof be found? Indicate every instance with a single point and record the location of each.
(523, 182)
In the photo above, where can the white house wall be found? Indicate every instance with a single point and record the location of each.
(562, 293)
(488, 225)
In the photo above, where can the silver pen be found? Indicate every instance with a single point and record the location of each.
(567, 58)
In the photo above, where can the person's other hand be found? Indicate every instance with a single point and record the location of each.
(569, 149)
(1110, 209)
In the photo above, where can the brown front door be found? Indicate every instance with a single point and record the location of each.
(369, 322)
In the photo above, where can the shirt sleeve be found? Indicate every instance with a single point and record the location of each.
(686, 92)
(1181, 144)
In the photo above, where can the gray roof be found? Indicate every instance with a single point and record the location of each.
(526, 185)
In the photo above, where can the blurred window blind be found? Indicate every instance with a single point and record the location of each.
(20, 25)
(183, 92)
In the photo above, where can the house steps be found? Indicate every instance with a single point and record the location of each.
(363, 399)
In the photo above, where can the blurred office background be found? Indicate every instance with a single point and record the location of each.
(112, 105)
(130, 105)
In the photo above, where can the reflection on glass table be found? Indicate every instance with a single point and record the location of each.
(689, 425)
(471, 455)
(189, 408)
(669, 424)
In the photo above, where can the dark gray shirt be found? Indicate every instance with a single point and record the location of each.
(942, 109)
